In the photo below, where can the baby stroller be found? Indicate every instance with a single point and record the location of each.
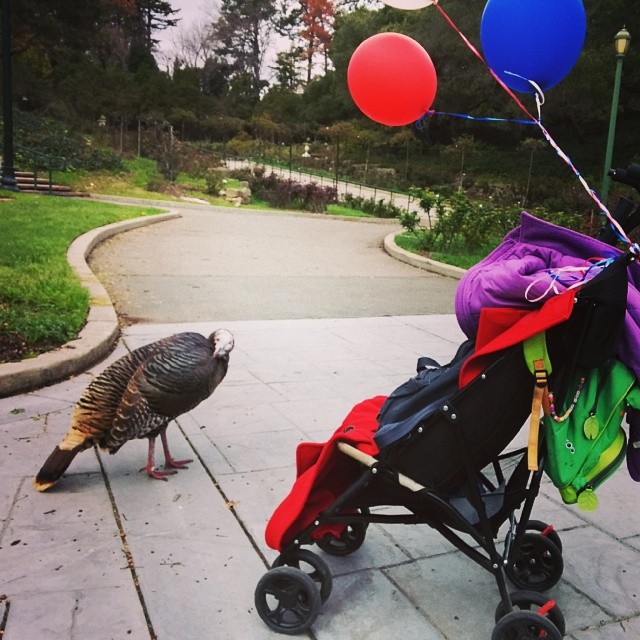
(449, 468)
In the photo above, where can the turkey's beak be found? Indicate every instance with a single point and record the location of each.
(222, 352)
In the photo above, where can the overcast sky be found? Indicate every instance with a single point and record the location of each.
(193, 11)
(190, 11)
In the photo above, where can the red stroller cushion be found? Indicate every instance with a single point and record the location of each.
(323, 473)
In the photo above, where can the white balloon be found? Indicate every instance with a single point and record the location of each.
(409, 4)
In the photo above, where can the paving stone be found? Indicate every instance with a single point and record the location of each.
(106, 613)
(317, 417)
(185, 540)
(276, 449)
(348, 612)
(456, 595)
(23, 408)
(241, 421)
(620, 523)
(619, 630)
(61, 541)
(604, 569)
(459, 596)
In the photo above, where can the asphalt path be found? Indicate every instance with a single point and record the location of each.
(223, 264)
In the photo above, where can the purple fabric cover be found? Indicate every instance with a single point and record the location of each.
(526, 253)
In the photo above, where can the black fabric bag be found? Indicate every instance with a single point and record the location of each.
(597, 321)
(420, 396)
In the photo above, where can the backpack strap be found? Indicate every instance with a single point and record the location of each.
(539, 364)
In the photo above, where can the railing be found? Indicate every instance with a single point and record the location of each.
(342, 186)
(37, 161)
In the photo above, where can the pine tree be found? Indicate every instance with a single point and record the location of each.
(154, 15)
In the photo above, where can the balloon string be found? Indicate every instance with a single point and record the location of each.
(421, 123)
(564, 276)
(537, 89)
(616, 226)
(481, 58)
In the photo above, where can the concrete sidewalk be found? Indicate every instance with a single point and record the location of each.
(111, 554)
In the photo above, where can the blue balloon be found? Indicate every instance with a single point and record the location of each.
(539, 40)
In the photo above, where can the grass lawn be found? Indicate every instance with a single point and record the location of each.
(42, 303)
(141, 179)
(408, 242)
(340, 210)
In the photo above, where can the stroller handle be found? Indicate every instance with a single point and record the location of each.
(624, 213)
(629, 176)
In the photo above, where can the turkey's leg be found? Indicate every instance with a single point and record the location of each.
(168, 459)
(150, 468)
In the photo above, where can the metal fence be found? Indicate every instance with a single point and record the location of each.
(343, 187)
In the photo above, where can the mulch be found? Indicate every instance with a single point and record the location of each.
(13, 347)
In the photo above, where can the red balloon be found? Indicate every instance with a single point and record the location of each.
(392, 79)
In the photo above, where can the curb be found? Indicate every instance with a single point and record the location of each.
(418, 261)
(100, 331)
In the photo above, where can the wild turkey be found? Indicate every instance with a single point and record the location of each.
(138, 395)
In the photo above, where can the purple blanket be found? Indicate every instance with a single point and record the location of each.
(518, 270)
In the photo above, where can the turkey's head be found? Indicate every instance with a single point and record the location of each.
(222, 343)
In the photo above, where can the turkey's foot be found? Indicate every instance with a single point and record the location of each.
(177, 464)
(157, 474)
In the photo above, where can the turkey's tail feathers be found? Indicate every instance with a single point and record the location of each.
(54, 467)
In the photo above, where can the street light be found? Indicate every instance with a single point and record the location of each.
(8, 177)
(621, 44)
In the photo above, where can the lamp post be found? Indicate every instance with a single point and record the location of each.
(8, 177)
(621, 43)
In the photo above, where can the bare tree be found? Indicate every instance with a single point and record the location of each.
(194, 44)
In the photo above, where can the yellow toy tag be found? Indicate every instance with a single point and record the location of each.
(588, 501)
(591, 428)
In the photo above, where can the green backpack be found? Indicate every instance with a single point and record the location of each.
(585, 442)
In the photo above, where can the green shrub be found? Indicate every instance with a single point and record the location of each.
(215, 182)
(377, 208)
(44, 143)
(459, 225)
(154, 185)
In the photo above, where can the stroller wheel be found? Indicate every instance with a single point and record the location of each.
(349, 541)
(312, 565)
(537, 566)
(533, 601)
(552, 534)
(525, 625)
(287, 600)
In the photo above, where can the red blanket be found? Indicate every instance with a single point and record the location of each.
(323, 473)
(503, 327)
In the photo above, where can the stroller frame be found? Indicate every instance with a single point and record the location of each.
(532, 557)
